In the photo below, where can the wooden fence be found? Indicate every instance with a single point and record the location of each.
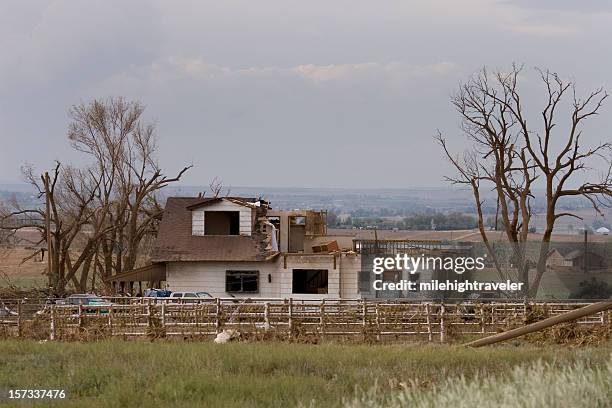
(283, 319)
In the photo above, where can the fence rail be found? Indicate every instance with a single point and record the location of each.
(286, 318)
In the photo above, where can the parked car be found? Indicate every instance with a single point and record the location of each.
(189, 297)
(85, 299)
(157, 293)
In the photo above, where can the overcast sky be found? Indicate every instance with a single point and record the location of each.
(315, 93)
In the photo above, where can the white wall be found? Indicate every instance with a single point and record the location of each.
(310, 262)
(210, 276)
(350, 265)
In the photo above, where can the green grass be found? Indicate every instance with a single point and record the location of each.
(119, 373)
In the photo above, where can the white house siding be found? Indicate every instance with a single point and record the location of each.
(210, 276)
(198, 216)
(197, 222)
(341, 281)
(310, 262)
(350, 265)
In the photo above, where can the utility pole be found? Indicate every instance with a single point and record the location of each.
(586, 243)
(48, 229)
(496, 213)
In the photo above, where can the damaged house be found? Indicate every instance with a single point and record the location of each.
(574, 259)
(239, 246)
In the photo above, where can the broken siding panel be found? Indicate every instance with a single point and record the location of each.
(316, 222)
(197, 222)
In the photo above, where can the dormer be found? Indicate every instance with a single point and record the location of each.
(223, 216)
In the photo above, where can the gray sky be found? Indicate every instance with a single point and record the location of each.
(344, 93)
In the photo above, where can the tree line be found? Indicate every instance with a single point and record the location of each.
(433, 221)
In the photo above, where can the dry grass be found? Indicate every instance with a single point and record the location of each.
(184, 374)
(537, 385)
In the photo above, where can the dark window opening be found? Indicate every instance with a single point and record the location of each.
(221, 223)
(241, 281)
(313, 281)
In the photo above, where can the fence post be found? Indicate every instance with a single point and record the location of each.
(110, 319)
(218, 315)
(322, 317)
(52, 324)
(149, 321)
(482, 318)
(377, 323)
(290, 317)
(163, 314)
(266, 316)
(19, 318)
(442, 328)
(429, 330)
(80, 316)
(364, 312)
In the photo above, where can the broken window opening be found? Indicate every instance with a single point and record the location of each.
(310, 281)
(242, 281)
(221, 223)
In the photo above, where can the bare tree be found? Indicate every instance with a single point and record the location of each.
(510, 156)
(216, 188)
(123, 148)
(70, 193)
(99, 216)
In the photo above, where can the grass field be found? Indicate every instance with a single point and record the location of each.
(118, 373)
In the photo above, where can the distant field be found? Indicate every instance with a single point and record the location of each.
(118, 373)
(27, 274)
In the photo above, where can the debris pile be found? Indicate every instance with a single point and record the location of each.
(572, 334)
(226, 336)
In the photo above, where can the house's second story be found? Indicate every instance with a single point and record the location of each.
(237, 229)
(225, 216)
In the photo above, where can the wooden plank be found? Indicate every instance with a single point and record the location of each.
(542, 324)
